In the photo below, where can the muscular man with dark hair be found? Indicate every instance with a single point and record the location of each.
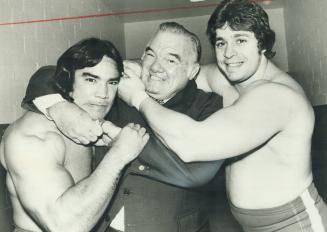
(48, 175)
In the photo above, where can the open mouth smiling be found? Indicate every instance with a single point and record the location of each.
(234, 64)
(156, 78)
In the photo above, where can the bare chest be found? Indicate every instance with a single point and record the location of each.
(256, 180)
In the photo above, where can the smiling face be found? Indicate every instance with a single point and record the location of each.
(237, 53)
(95, 88)
(169, 62)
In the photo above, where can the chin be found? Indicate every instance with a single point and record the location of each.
(97, 115)
(156, 94)
(234, 76)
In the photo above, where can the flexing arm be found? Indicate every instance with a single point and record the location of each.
(48, 191)
(164, 164)
(250, 122)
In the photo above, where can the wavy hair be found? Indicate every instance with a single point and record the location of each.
(243, 15)
(86, 53)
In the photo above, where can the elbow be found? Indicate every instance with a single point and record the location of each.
(62, 223)
(186, 158)
(54, 225)
(181, 146)
(70, 224)
(186, 155)
(65, 227)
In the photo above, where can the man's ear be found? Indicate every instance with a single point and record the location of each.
(194, 71)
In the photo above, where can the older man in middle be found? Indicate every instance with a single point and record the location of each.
(158, 191)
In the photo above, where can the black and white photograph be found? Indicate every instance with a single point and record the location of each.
(163, 116)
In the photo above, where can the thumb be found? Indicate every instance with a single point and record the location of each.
(110, 129)
(133, 66)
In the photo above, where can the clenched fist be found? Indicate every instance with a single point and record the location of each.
(129, 142)
(75, 123)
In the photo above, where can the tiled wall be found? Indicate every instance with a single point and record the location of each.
(306, 33)
(25, 47)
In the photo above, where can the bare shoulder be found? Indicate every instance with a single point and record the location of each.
(283, 100)
(278, 86)
(276, 75)
(276, 94)
(30, 139)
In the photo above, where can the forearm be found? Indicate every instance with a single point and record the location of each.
(80, 207)
(165, 166)
(92, 195)
(172, 127)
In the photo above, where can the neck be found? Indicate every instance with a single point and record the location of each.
(259, 75)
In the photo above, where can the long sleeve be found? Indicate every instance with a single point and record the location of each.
(40, 84)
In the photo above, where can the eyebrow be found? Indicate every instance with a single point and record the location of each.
(148, 49)
(87, 74)
(235, 36)
(178, 57)
(242, 34)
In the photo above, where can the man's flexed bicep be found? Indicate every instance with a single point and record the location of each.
(36, 170)
(47, 189)
(250, 122)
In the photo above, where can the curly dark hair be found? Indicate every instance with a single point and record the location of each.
(86, 53)
(243, 15)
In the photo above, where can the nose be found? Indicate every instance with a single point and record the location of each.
(102, 91)
(229, 51)
(156, 66)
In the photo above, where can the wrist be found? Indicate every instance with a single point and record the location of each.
(116, 157)
(52, 110)
(44, 103)
(138, 99)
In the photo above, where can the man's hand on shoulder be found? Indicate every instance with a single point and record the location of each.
(132, 68)
(132, 91)
(131, 88)
(75, 123)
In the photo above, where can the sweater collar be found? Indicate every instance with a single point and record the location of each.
(184, 97)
